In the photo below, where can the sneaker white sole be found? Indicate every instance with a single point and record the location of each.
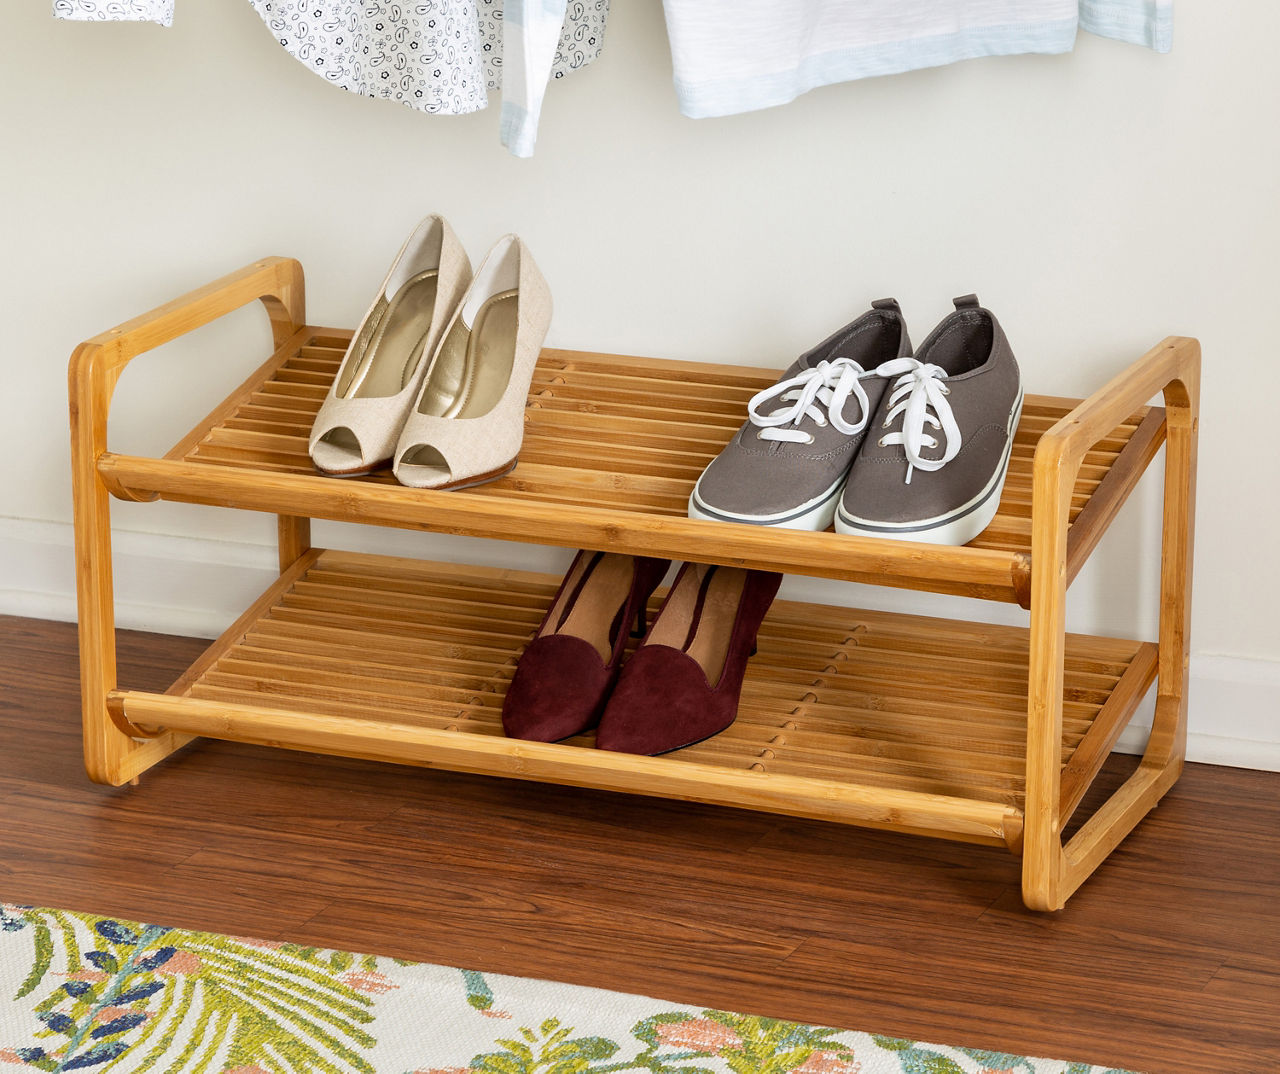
(959, 526)
(816, 514)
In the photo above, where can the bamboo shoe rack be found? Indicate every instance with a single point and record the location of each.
(958, 730)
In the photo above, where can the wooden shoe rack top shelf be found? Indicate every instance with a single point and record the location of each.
(959, 730)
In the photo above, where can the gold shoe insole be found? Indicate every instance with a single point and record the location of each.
(710, 642)
(473, 367)
(596, 607)
(392, 341)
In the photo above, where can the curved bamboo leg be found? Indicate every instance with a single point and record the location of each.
(111, 754)
(115, 752)
(1051, 873)
(1167, 746)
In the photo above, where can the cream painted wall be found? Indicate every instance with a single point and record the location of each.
(1097, 201)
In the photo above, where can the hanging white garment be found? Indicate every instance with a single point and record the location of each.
(438, 56)
(740, 55)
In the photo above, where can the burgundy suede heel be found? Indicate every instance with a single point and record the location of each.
(565, 674)
(682, 685)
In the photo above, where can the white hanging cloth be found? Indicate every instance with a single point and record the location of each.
(740, 55)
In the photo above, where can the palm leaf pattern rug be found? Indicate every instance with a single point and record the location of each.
(80, 992)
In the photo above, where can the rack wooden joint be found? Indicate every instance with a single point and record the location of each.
(849, 716)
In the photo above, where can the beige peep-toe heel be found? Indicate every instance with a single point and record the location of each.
(359, 422)
(468, 422)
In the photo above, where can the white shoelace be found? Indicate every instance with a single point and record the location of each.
(828, 383)
(917, 391)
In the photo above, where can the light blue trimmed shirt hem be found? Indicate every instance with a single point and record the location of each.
(704, 100)
(1144, 23)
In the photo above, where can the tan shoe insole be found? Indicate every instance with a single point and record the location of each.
(596, 608)
(709, 644)
(473, 367)
(393, 339)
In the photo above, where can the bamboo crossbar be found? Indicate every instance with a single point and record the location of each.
(873, 807)
(963, 571)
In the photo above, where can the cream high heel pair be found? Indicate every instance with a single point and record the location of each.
(435, 381)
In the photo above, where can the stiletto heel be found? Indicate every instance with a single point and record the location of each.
(359, 422)
(565, 674)
(683, 683)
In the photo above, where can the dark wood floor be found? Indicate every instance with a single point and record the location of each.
(1167, 961)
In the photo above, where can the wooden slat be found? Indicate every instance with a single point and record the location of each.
(1092, 752)
(1089, 525)
(234, 402)
(236, 632)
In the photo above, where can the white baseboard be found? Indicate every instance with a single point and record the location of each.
(197, 587)
(167, 584)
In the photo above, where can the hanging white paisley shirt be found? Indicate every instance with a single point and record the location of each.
(439, 56)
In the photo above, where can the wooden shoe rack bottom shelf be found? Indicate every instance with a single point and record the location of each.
(959, 730)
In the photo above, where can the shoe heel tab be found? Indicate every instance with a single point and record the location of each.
(967, 302)
(421, 251)
(890, 305)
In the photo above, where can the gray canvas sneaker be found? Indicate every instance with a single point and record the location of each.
(786, 466)
(938, 448)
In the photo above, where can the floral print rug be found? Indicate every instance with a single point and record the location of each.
(79, 992)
